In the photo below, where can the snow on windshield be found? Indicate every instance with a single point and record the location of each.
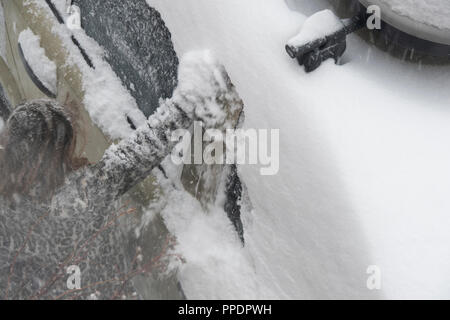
(2, 124)
(435, 13)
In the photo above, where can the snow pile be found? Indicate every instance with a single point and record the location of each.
(364, 174)
(319, 25)
(435, 13)
(106, 99)
(34, 54)
(2, 34)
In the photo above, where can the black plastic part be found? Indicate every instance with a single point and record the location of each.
(334, 48)
(298, 52)
(83, 52)
(139, 48)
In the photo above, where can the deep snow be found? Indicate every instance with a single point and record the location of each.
(364, 174)
(105, 98)
(2, 34)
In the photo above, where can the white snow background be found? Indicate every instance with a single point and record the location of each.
(364, 174)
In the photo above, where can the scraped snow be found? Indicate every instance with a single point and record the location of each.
(318, 26)
(42, 66)
(435, 13)
(364, 174)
